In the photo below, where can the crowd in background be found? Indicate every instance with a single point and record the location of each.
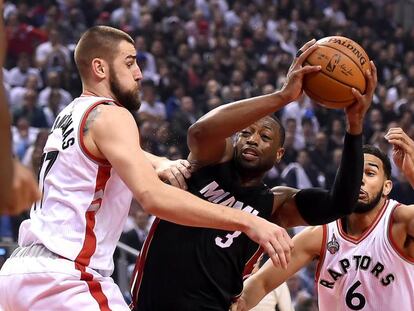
(196, 55)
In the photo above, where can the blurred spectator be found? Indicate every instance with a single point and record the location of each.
(23, 136)
(302, 173)
(18, 75)
(18, 92)
(21, 37)
(33, 156)
(151, 108)
(53, 79)
(31, 110)
(53, 54)
(182, 119)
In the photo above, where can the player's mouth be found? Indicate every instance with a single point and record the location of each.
(362, 194)
(250, 154)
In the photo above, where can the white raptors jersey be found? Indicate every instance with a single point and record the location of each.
(368, 273)
(84, 203)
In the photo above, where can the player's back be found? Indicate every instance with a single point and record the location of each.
(186, 268)
(84, 202)
(366, 273)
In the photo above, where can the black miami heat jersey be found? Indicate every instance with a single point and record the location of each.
(187, 268)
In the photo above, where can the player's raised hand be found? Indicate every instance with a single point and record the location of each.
(292, 88)
(356, 112)
(175, 172)
(274, 240)
(403, 150)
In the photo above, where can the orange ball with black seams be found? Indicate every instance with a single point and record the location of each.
(343, 63)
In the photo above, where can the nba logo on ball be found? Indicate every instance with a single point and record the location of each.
(343, 64)
(333, 62)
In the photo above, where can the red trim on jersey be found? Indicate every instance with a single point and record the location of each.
(90, 94)
(394, 245)
(80, 134)
(322, 253)
(139, 265)
(89, 243)
(94, 288)
(248, 267)
(368, 231)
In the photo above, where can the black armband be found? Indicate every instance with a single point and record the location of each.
(319, 206)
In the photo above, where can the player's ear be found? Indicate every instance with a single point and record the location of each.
(279, 154)
(99, 68)
(387, 187)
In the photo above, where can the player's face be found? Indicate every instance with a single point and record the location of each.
(257, 147)
(125, 77)
(375, 185)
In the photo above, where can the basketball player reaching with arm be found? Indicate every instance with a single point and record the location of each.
(365, 260)
(91, 167)
(18, 188)
(208, 268)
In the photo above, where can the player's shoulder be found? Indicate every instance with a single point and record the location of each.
(403, 213)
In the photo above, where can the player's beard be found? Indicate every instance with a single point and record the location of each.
(362, 208)
(128, 99)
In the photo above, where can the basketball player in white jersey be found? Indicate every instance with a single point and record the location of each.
(365, 260)
(91, 167)
(18, 188)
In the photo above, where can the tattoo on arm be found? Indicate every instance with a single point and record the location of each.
(92, 117)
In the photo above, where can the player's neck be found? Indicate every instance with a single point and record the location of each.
(357, 224)
(99, 90)
(251, 180)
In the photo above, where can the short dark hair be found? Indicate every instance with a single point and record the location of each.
(375, 151)
(282, 133)
(98, 41)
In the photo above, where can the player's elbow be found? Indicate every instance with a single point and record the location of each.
(195, 132)
(147, 198)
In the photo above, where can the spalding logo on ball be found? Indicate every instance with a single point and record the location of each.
(343, 63)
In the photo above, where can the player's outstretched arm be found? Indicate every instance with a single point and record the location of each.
(402, 152)
(307, 247)
(120, 146)
(208, 137)
(317, 206)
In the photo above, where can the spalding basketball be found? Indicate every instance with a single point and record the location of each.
(343, 63)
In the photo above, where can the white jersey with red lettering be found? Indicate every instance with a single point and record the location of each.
(85, 203)
(368, 273)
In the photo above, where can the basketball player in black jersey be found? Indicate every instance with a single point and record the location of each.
(184, 268)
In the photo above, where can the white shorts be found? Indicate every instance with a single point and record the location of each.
(33, 278)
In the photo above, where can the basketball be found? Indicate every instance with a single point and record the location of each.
(343, 63)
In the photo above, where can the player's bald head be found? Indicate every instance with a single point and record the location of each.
(98, 42)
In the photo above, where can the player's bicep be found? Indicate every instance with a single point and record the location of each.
(204, 153)
(405, 214)
(116, 136)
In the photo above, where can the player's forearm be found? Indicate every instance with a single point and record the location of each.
(342, 198)
(254, 291)
(226, 120)
(183, 208)
(155, 161)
